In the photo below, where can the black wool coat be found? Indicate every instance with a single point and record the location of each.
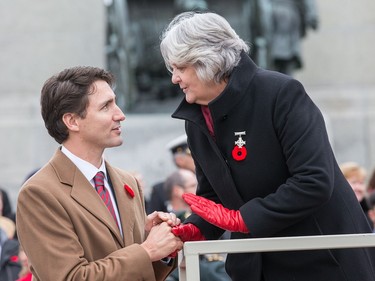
(289, 184)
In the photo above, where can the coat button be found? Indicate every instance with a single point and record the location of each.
(225, 117)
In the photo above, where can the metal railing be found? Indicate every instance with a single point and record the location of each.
(189, 256)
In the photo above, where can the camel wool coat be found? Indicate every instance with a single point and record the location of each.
(289, 183)
(69, 235)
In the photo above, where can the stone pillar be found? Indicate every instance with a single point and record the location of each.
(39, 38)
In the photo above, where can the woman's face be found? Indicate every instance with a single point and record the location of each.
(195, 90)
(358, 185)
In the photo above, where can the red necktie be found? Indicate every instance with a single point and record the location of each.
(104, 194)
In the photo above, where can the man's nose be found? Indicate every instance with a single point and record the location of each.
(119, 115)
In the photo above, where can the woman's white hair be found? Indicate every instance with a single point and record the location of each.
(205, 41)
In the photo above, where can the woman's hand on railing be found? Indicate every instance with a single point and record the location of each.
(216, 214)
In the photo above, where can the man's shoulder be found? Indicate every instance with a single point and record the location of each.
(117, 170)
(124, 175)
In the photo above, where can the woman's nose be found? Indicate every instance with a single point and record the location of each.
(175, 78)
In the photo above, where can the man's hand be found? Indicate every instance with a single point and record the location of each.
(161, 242)
(156, 218)
(216, 214)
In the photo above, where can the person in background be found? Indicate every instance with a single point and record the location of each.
(6, 224)
(290, 22)
(79, 217)
(179, 182)
(371, 183)
(264, 164)
(9, 262)
(356, 175)
(25, 273)
(174, 189)
(182, 159)
(7, 210)
(371, 211)
(181, 153)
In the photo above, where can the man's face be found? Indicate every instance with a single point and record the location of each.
(101, 128)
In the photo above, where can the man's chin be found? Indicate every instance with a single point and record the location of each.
(115, 143)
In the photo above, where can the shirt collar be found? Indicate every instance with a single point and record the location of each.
(86, 168)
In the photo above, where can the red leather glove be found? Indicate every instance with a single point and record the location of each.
(216, 214)
(188, 232)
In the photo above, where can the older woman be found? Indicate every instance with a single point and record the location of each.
(264, 164)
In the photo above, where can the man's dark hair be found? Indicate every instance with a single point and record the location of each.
(67, 92)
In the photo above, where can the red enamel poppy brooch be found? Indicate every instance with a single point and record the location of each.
(239, 151)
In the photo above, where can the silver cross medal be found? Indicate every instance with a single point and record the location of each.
(240, 142)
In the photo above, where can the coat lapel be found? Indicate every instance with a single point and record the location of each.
(83, 192)
(125, 203)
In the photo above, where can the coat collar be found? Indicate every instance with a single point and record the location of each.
(84, 194)
(233, 93)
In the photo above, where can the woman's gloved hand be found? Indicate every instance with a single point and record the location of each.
(216, 214)
(188, 232)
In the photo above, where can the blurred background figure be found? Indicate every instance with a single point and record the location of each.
(179, 182)
(371, 199)
(356, 175)
(6, 210)
(371, 183)
(182, 159)
(371, 211)
(25, 273)
(7, 225)
(9, 264)
(291, 20)
(181, 153)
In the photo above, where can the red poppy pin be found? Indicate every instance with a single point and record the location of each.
(239, 151)
(129, 190)
(14, 258)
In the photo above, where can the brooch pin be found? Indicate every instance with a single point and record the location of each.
(129, 190)
(239, 151)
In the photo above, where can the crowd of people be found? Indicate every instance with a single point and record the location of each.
(255, 162)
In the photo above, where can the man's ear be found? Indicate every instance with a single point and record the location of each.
(70, 121)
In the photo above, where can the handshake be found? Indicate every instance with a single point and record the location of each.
(166, 234)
